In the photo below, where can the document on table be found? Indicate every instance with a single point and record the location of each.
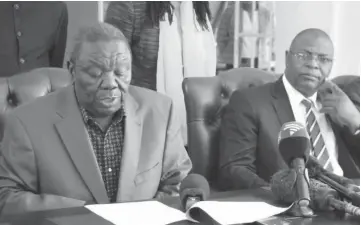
(156, 213)
(235, 212)
(138, 213)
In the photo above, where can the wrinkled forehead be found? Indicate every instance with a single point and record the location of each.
(317, 45)
(104, 53)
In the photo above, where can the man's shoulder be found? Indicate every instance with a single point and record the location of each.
(149, 98)
(254, 94)
(38, 107)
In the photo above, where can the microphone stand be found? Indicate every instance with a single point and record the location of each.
(301, 207)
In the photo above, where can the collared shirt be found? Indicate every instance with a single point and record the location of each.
(33, 35)
(107, 146)
(299, 112)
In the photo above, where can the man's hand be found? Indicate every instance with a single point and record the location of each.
(339, 107)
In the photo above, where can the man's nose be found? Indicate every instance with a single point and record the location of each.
(313, 63)
(108, 81)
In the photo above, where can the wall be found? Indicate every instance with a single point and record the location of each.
(80, 13)
(348, 39)
(292, 17)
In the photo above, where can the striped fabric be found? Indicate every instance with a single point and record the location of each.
(318, 143)
(130, 18)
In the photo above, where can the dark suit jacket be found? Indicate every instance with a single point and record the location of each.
(130, 18)
(47, 161)
(249, 153)
(42, 38)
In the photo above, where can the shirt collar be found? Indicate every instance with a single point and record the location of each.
(294, 95)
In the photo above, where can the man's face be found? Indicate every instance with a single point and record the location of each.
(102, 76)
(309, 63)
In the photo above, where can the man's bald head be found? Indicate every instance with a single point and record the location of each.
(310, 35)
(309, 60)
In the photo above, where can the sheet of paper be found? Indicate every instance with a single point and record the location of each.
(148, 212)
(237, 212)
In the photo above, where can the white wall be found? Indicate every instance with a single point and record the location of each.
(348, 39)
(292, 17)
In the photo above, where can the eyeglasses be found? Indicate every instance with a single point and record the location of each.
(307, 56)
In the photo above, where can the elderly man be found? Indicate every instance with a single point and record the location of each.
(98, 140)
(253, 118)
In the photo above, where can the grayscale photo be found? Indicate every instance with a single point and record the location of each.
(179, 112)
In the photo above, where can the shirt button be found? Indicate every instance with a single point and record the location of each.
(110, 170)
(18, 33)
(16, 6)
(22, 61)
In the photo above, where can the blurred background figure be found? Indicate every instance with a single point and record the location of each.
(169, 41)
(33, 35)
(255, 21)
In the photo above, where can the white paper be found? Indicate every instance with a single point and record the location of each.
(226, 213)
(134, 213)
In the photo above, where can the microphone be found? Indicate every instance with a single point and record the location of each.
(338, 183)
(193, 188)
(325, 198)
(295, 147)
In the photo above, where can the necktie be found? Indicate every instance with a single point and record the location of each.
(318, 144)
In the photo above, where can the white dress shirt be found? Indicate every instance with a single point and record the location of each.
(299, 112)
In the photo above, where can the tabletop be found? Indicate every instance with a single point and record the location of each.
(81, 215)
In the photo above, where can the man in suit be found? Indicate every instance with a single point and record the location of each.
(249, 153)
(98, 140)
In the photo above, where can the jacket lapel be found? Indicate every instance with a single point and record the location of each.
(73, 133)
(131, 148)
(281, 103)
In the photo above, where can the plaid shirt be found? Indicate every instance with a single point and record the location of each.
(107, 146)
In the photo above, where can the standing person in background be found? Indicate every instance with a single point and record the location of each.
(225, 38)
(250, 22)
(33, 35)
(169, 41)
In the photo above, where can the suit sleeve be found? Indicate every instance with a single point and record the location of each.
(238, 143)
(121, 15)
(58, 50)
(19, 192)
(176, 162)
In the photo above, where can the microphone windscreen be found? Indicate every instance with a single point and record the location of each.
(283, 185)
(319, 193)
(294, 142)
(194, 185)
(314, 168)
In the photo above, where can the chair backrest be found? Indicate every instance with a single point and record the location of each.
(205, 99)
(24, 87)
